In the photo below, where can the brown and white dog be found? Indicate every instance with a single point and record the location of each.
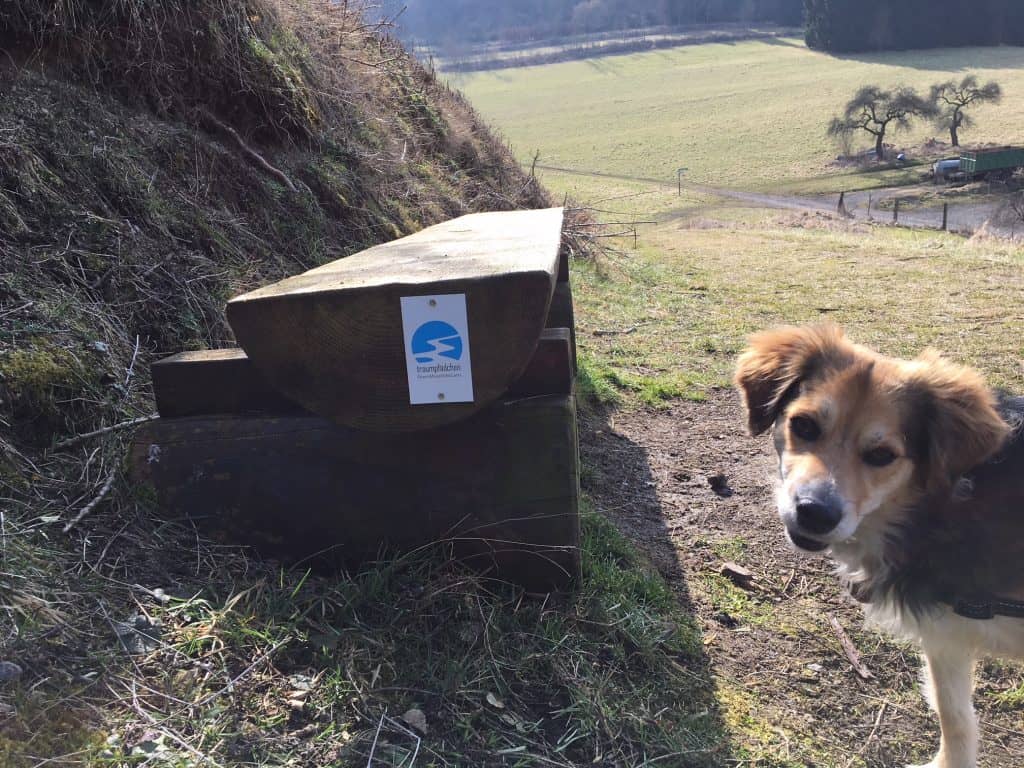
(910, 473)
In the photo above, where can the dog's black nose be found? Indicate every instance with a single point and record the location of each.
(815, 517)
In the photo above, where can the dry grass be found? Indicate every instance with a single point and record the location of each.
(125, 227)
(692, 295)
(174, 56)
(255, 665)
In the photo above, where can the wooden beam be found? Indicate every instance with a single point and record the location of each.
(224, 381)
(550, 371)
(214, 381)
(562, 315)
(331, 339)
(563, 265)
(501, 488)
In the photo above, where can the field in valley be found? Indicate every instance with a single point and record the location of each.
(750, 115)
(661, 322)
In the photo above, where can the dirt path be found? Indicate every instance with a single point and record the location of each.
(862, 205)
(695, 491)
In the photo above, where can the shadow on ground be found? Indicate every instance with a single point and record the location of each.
(618, 477)
(694, 491)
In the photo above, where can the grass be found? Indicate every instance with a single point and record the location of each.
(283, 666)
(694, 289)
(693, 295)
(675, 311)
(749, 115)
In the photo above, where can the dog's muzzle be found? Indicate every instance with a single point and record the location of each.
(816, 512)
(805, 543)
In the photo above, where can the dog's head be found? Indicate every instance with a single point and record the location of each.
(860, 436)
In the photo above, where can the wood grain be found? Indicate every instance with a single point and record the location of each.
(331, 339)
(562, 315)
(224, 381)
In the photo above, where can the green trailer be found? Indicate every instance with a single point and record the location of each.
(998, 161)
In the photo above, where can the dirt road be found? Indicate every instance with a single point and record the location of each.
(695, 491)
(965, 217)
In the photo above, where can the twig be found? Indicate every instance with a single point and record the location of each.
(97, 432)
(373, 747)
(92, 504)
(235, 680)
(850, 650)
(407, 732)
(874, 729)
(613, 332)
(789, 580)
(131, 366)
(16, 309)
(375, 65)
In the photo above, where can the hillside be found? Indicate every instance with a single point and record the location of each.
(661, 321)
(140, 187)
(750, 115)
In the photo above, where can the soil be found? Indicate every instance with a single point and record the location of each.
(695, 491)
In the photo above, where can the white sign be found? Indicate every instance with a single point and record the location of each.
(437, 349)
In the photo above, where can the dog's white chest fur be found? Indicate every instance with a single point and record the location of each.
(951, 645)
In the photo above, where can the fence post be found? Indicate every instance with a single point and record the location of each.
(945, 215)
(896, 211)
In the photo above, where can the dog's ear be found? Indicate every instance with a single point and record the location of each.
(956, 420)
(775, 363)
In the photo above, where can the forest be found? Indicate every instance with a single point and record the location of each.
(831, 25)
(864, 25)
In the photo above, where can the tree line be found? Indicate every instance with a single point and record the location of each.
(476, 21)
(861, 25)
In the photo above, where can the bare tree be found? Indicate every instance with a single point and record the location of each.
(873, 109)
(952, 98)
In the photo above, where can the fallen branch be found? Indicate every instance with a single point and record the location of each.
(613, 332)
(92, 504)
(96, 433)
(253, 155)
(850, 650)
(373, 64)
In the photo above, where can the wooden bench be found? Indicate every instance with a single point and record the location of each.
(306, 442)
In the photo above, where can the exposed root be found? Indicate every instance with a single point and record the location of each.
(208, 117)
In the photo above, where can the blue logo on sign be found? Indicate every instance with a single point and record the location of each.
(436, 340)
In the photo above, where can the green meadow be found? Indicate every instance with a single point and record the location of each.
(661, 319)
(749, 115)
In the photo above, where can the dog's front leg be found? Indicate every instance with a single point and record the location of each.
(949, 686)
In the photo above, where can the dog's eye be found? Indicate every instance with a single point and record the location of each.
(879, 457)
(805, 428)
